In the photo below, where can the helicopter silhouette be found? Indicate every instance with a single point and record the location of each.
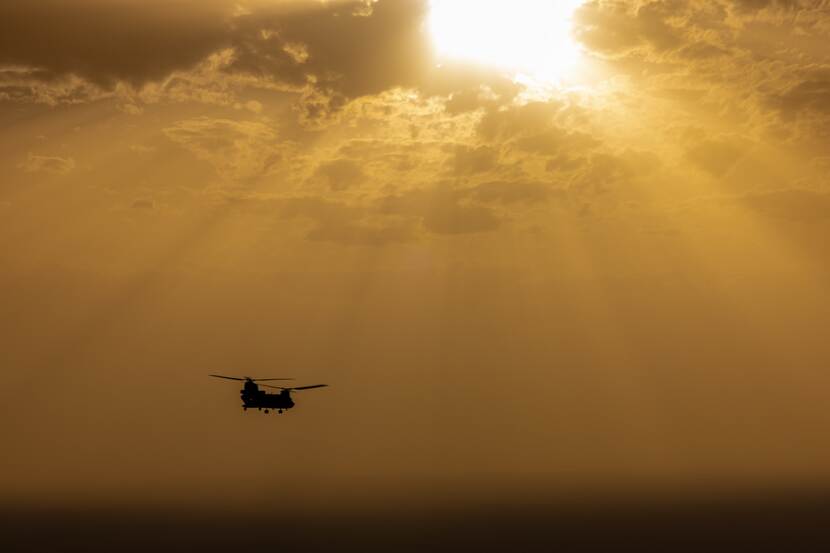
(253, 397)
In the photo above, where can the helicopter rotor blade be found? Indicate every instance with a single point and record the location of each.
(225, 377)
(246, 378)
(290, 389)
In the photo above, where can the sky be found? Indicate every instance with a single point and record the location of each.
(562, 246)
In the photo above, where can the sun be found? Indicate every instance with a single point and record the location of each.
(531, 37)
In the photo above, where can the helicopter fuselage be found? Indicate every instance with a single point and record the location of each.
(258, 399)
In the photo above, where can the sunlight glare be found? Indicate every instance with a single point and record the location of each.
(523, 36)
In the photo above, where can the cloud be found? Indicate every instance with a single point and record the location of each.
(31, 85)
(536, 128)
(556, 140)
(518, 120)
(715, 156)
(616, 28)
(441, 210)
(811, 93)
(105, 42)
(47, 164)
(336, 51)
(802, 105)
(342, 223)
(237, 149)
(505, 192)
(340, 174)
(391, 218)
(469, 89)
(472, 160)
(602, 171)
(349, 49)
(398, 124)
(210, 51)
(751, 6)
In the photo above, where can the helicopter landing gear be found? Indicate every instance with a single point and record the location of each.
(280, 411)
(266, 411)
(244, 408)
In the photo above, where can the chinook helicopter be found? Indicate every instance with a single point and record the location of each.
(253, 397)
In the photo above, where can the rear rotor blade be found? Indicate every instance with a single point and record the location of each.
(225, 377)
(266, 379)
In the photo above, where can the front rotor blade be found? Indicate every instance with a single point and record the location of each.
(266, 379)
(293, 389)
(226, 377)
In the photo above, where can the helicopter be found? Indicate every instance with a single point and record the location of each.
(253, 397)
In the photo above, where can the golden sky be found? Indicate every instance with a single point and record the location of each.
(573, 244)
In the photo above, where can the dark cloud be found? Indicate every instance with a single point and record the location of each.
(350, 49)
(105, 42)
(800, 103)
(757, 5)
(341, 49)
(811, 92)
(328, 53)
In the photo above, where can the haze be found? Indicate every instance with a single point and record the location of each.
(609, 276)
